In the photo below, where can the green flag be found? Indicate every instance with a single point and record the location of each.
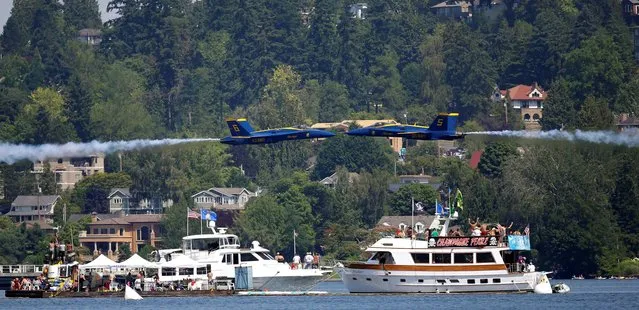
(459, 200)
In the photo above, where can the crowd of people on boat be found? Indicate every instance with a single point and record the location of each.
(311, 260)
(475, 229)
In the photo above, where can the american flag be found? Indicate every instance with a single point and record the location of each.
(527, 230)
(193, 215)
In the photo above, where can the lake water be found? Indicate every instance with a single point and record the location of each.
(585, 294)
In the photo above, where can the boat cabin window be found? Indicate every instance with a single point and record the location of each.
(231, 259)
(248, 257)
(202, 244)
(485, 257)
(441, 258)
(168, 271)
(265, 256)
(202, 270)
(421, 258)
(463, 258)
(383, 258)
(186, 271)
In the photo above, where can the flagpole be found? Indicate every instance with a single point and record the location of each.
(412, 213)
(294, 245)
(187, 220)
(201, 220)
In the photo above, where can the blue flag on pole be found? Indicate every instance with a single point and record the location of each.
(209, 215)
(439, 208)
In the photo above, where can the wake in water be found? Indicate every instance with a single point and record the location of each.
(11, 153)
(629, 139)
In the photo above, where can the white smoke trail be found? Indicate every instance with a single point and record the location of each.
(626, 138)
(11, 153)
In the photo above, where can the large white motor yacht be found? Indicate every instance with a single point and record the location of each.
(221, 253)
(442, 264)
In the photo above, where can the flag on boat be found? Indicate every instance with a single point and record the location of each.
(192, 214)
(208, 215)
(459, 200)
(419, 207)
(439, 208)
(527, 230)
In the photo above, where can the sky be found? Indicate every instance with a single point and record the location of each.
(6, 5)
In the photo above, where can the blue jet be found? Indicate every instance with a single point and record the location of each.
(243, 133)
(444, 127)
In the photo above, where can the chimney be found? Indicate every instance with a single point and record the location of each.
(94, 217)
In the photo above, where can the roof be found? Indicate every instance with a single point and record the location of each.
(36, 200)
(122, 191)
(119, 219)
(229, 191)
(634, 1)
(475, 158)
(522, 92)
(416, 176)
(332, 179)
(394, 221)
(449, 4)
(89, 32)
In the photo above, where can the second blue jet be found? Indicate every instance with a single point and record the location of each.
(243, 133)
(444, 127)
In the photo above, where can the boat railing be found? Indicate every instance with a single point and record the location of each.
(9, 269)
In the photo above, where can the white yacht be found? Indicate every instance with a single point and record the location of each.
(221, 253)
(442, 264)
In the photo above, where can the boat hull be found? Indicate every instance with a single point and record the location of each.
(381, 281)
(285, 283)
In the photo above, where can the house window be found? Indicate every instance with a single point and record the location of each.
(111, 231)
(104, 231)
(96, 231)
(121, 231)
(117, 200)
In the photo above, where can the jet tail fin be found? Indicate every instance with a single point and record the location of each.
(239, 127)
(445, 122)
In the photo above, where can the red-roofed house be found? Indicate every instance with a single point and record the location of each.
(529, 99)
(475, 158)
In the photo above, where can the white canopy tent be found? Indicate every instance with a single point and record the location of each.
(136, 261)
(102, 262)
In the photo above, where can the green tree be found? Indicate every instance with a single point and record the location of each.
(560, 109)
(354, 153)
(494, 158)
(334, 105)
(43, 120)
(387, 90)
(400, 202)
(80, 14)
(91, 192)
(594, 115)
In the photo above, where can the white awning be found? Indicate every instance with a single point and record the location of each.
(100, 262)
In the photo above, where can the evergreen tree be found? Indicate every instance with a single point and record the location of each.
(80, 14)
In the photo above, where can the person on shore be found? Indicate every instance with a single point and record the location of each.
(308, 260)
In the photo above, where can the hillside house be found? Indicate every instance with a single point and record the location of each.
(121, 200)
(453, 9)
(69, 171)
(33, 208)
(529, 100)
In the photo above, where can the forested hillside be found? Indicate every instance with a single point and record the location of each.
(177, 68)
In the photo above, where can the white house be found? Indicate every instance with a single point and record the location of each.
(223, 198)
(33, 208)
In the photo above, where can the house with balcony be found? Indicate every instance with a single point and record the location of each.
(69, 171)
(90, 36)
(529, 100)
(121, 200)
(453, 9)
(33, 208)
(107, 233)
(225, 201)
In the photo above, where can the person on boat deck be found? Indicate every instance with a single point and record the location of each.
(316, 259)
(297, 261)
(279, 258)
(409, 232)
(476, 232)
(308, 260)
(474, 224)
(435, 233)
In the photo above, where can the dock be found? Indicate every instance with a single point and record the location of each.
(118, 294)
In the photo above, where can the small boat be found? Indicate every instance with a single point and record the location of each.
(560, 288)
(131, 294)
